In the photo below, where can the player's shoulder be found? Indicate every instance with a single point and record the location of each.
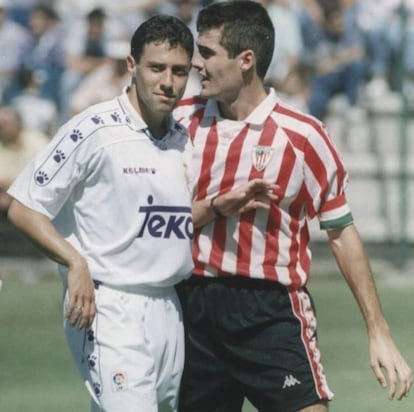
(193, 101)
(96, 118)
(188, 106)
(297, 120)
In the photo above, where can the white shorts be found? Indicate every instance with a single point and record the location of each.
(132, 357)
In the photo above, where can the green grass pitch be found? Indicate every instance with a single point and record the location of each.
(37, 375)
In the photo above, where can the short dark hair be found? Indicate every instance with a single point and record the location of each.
(48, 11)
(245, 25)
(97, 13)
(161, 28)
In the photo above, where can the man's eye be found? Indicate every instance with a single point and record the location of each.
(181, 72)
(205, 53)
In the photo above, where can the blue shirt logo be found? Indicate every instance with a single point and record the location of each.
(166, 221)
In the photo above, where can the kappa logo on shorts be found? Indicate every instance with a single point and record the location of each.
(290, 381)
(119, 382)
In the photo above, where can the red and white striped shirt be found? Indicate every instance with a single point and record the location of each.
(281, 145)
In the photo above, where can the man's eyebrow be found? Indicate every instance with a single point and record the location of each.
(205, 50)
(200, 46)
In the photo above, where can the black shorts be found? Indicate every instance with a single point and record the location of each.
(249, 339)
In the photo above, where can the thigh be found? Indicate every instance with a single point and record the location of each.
(258, 336)
(206, 385)
(289, 372)
(321, 406)
(164, 330)
(114, 356)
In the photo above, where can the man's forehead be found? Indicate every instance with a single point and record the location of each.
(161, 46)
(210, 38)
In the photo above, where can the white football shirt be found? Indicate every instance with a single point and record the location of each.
(116, 194)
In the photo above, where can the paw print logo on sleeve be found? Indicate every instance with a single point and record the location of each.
(116, 117)
(76, 135)
(41, 177)
(59, 156)
(69, 143)
(97, 119)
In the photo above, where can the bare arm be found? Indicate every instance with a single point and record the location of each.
(253, 195)
(42, 232)
(347, 247)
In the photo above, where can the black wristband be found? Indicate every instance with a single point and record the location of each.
(214, 208)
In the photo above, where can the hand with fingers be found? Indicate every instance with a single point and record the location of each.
(256, 194)
(80, 309)
(389, 367)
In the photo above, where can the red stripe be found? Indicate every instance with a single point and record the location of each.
(311, 158)
(275, 218)
(296, 248)
(195, 122)
(227, 183)
(209, 154)
(312, 353)
(244, 247)
(233, 160)
(340, 172)
(304, 257)
(192, 101)
(205, 177)
(334, 203)
(320, 129)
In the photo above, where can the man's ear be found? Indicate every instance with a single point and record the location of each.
(130, 62)
(247, 60)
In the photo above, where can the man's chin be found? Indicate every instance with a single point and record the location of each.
(166, 107)
(205, 92)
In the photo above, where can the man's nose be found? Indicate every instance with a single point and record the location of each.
(167, 79)
(196, 61)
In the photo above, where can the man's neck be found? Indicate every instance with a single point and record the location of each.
(157, 124)
(243, 104)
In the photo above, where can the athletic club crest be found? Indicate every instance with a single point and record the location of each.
(261, 156)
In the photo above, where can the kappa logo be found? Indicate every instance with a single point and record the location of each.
(290, 381)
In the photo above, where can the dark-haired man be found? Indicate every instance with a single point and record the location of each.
(260, 170)
(109, 200)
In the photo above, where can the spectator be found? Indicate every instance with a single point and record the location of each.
(401, 37)
(338, 64)
(310, 17)
(113, 74)
(43, 52)
(13, 37)
(187, 10)
(19, 10)
(289, 44)
(130, 12)
(17, 147)
(85, 50)
(372, 17)
(38, 113)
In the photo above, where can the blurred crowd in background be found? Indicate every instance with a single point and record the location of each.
(57, 57)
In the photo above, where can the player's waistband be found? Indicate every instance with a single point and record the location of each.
(238, 281)
(138, 289)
